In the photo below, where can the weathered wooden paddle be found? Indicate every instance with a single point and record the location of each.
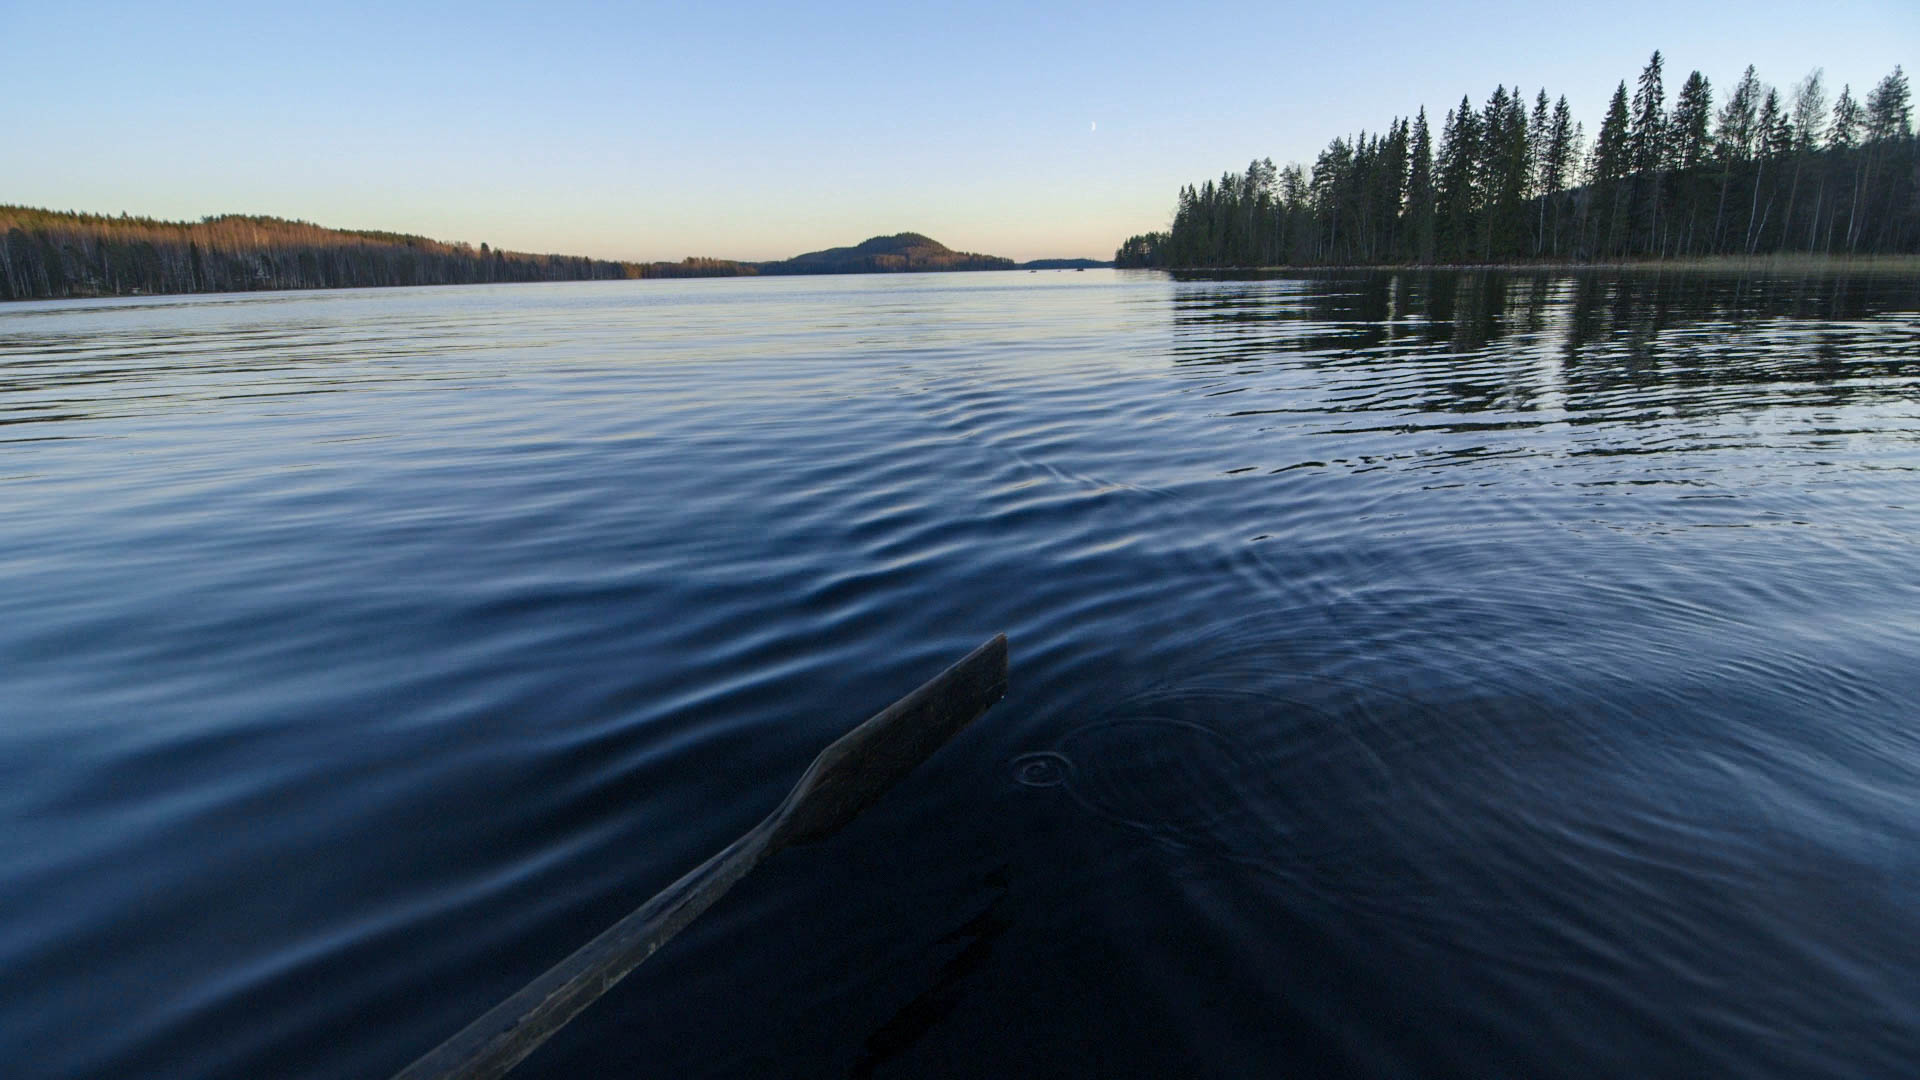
(844, 780)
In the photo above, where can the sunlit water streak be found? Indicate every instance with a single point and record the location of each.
(1413, 674)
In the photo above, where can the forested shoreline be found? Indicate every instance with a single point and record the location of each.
(46, 254)
(1760, 174)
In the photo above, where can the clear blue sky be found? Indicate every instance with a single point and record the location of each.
(646, 131)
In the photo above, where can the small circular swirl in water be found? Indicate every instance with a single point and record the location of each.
(1042, 768)
(1155, 770)
(1196, 765)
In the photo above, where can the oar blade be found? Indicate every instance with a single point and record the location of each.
(863, 764)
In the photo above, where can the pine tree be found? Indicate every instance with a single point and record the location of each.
(1889, 153)
(1735, 136)
(1809, 118)
(1331, 172)
(1733, 139)
(1889, 108)
(1809, 112)
(1843, 138)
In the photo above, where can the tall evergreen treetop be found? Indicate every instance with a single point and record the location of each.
(1420, 190)
(1504, 165)
(1848, 119)
(1809, 112)
(1692, 112)
(1889, 108)
(1648, 128)
(1562, 148)
(1775, 131)
(1612, 152)
(1735, 135)
(1539, 127)
(1456, 175)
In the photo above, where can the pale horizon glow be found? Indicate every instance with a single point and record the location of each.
(649, 132)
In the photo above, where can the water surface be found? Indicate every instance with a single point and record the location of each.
(1413, 674)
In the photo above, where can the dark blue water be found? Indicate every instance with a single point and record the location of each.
(1413, 675)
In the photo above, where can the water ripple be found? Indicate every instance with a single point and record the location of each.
(1414, 673)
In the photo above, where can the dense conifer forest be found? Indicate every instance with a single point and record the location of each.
(1751, 171)
(46, 254)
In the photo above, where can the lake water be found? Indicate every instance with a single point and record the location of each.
(1413, 675)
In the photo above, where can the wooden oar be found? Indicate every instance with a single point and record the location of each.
(844, 780)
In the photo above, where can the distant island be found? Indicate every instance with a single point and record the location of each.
(899, 253)
(1761, 173)
(48, 254)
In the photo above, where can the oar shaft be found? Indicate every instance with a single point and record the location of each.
(842, 781)
(508, 1032)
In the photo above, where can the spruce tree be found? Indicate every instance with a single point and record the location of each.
(1496, 138)
(1848, 121)
(1539, 126)
(1688, 148)
(1456, 171)
(1649, 123)
(1692, 111)
(1562, 147)
(1772, 140)
(1508, 161)
(1388, 185)
(1612, 162)
(1776, 127)
(1420, 193)
(1647, 139)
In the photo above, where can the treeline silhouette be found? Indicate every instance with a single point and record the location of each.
(48, 254)
(1762, 173)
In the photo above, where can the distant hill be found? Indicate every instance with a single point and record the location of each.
(899, 253)
(50, 254)
(1064, 264)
